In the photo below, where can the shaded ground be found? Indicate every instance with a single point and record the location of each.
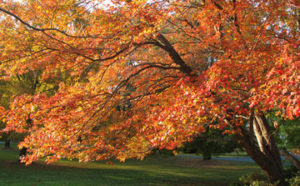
(230, 158)
(240, 159)
(152, 171)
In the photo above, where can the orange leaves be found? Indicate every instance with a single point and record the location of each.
(121, 91)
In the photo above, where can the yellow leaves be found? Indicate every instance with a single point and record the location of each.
(278, 113)
(33, 108)
(175, 153)
(122, 158)
(36, 48)
(79, 109)
(201, 120)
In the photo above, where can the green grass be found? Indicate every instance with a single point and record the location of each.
(234, 154)
(152, 171)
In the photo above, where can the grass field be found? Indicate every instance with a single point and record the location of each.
(152, 171)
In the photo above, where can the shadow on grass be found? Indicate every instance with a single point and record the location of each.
(173, 171)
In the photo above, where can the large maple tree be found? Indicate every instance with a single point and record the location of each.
(139, 75)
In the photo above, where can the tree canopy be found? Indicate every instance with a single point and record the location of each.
(174, 67)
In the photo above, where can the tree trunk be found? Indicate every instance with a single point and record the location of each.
(7, 143)
(23, 152)
(206, 155)
(291, 158)
(259, 143)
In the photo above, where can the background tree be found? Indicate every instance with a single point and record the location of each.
(288, 134)
(211, 142)
(21, 84)
(254, 44)
(288, 139)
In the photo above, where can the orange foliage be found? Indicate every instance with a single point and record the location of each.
(146, 74)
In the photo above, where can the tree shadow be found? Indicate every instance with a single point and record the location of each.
(13, 173)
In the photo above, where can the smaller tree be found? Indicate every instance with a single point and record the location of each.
(289, 134)
(26, 84)
(212, 142)
(288, 138)
(6, 137)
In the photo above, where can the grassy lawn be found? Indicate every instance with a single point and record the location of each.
(152, 171)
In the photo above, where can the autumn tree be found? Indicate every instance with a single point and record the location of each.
(161, 48)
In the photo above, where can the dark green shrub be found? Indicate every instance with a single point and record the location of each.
(257, 179)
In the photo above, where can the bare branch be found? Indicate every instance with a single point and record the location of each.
(42, 29)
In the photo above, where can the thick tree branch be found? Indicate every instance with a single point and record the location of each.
(174, 55)
(217, 5)
(236, 24)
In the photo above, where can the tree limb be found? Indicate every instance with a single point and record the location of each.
(40, 29)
